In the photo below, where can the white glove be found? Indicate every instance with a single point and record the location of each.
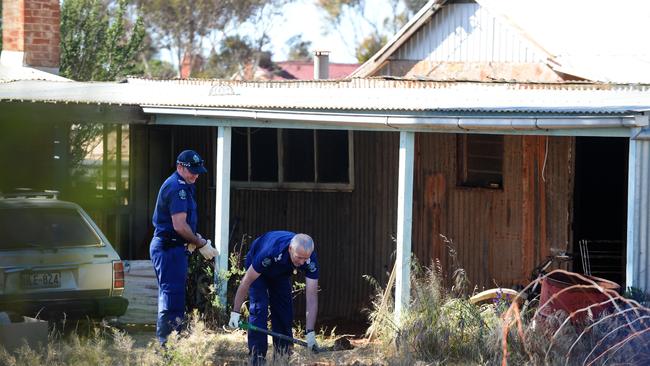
(208, 251)
(311, 340)
(234, 320)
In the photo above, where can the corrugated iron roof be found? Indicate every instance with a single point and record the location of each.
(344, 95)
(13, 73)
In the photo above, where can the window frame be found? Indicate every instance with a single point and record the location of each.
(463, 178)
(296, 186)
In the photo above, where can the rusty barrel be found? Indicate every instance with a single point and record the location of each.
(570, 292)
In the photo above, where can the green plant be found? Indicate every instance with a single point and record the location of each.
(501, 303)
(439, 327)
(97, 44)
(638, 295)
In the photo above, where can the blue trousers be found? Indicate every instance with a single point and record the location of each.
(276, 292)
(170, 265)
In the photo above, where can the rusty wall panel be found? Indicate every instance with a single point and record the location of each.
(353, 230)
(498, 235)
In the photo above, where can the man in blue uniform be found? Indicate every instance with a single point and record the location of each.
(175, 219)
(271, 260)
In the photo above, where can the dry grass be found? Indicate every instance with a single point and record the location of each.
(198, 345)
(441, 327)
(105, 345)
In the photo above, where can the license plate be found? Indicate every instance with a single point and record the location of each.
(34, 280)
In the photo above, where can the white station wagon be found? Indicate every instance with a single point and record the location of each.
(55, 262)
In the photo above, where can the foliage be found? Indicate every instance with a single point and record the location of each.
(234, 52)
(299, 49)
(202, 294)
(369, 46)
(439, 327)
(366, 35)
(150, 67)
(83, 137)
(105, 345)
(501, 303)
(156, 69)
(96, 43)
(182, 27)
(638, 295)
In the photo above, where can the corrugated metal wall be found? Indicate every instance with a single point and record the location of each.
(353, 230)
(499, 235)
(469, 33)
(153, 152)
(638, 231)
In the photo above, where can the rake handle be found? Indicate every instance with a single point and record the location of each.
(247, 326)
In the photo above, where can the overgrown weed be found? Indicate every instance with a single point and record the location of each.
(105, 345)
(442, 327)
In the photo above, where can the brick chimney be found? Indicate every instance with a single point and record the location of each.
(30, 34)
(186, 66)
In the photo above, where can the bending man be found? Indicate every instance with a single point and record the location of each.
(271, 260)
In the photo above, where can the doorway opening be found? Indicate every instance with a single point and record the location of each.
(600, 207)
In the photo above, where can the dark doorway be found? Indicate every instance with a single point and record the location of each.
(600, 207)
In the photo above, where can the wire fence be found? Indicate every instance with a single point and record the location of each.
(577, 320)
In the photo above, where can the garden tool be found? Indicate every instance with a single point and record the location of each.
(248, 327)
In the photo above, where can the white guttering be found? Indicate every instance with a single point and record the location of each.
(494, 122)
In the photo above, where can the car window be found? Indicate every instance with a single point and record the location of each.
(48, 227)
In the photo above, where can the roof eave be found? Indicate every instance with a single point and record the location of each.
(560, 124)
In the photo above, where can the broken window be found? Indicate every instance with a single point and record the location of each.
(480, 161)
(268, 158)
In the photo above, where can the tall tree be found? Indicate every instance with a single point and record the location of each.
(97, 43)
(299, 49)
(363, 33)
(182, 26)
(234, 53)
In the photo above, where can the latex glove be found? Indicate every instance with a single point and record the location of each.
(234, 320)
(208, 251)
(311, 340)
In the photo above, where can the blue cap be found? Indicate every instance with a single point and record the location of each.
(192, 161)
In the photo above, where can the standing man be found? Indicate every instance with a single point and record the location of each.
(271, 260)
(175, 219)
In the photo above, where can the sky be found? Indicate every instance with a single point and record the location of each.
(304, 18)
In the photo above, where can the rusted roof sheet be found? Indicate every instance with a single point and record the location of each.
(344, 95)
